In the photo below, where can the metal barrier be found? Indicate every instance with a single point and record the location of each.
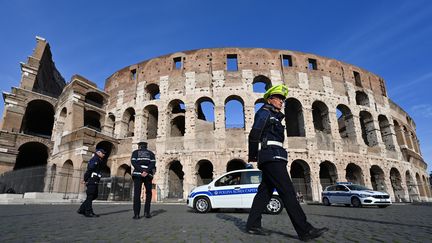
(69, 182)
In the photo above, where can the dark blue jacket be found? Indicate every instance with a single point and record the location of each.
(143, 160)
(267, 127)
(94, 167)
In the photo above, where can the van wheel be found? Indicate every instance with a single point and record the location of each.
(326, 202)
(202, 205)
(275, 206)
(356, 202)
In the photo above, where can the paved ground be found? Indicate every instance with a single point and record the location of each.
(176, 223)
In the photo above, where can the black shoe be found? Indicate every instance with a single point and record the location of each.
(95, 215)
(136, 217)
(313, 233)
(147, 215)
(257, 231)
(80, 212)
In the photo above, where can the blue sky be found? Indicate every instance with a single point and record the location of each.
(96, 38)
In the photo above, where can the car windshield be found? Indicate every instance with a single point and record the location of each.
(358, 188)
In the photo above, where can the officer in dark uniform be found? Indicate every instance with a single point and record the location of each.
(91, 178)
(266, 147)
(144, 164)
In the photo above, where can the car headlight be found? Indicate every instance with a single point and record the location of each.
(363, 195)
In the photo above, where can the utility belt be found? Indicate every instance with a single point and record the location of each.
(95, 175)
(266, 143)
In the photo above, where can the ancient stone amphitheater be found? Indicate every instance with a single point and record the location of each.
(196, 108)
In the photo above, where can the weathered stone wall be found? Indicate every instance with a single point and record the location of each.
(339, 118)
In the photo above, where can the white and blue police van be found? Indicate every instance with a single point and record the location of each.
(235, 189)
(356, 195)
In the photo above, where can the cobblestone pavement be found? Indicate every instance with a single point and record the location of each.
(177, 223)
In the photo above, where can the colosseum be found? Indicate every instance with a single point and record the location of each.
(195, 109)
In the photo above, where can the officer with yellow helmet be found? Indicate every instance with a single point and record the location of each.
(266, 147)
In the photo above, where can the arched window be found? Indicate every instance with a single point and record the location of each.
(38, 119)
(368, 129)
(261, 84)
(362, 98)
(95, 99)
(234, 112)
(294, 120)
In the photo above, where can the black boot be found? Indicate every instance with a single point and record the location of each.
(313, 233)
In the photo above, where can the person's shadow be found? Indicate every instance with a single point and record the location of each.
(241, 225)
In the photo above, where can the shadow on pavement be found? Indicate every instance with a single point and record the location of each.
(374, 221)
(157, 212)
(114, 212)
(241, 225)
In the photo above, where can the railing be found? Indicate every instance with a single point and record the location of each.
(69, 182)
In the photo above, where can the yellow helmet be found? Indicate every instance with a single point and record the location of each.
(280, 89)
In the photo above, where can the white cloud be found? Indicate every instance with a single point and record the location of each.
(424, 110)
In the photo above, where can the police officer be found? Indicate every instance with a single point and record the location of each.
(144, 164)
(91, 178)
(266, 147)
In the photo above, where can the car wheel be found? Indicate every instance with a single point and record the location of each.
(356, 202)
(275, 206)
(347, 205)
(383, 206)
(326, 202)
(202, 205)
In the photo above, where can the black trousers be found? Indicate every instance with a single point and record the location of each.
(92, 193)
(275, 176)
(138, 181)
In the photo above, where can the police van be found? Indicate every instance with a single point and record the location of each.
(356, 195)
(234, 189)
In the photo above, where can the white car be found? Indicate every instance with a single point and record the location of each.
(355, 195)
(234, 189)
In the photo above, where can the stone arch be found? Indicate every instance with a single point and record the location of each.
(128, 123)
(377, 178)
(152, 91)
(234, 105)
(327, 174)
(63, 114)
(110, 124)
(38, 119)
(124, 171)
(151, 119)
(176, 114)
(66, 177)
(92, 120)
(413, 192)
(407, 135)
(386, 133)
(346, 124)
(204, 112)
(362, 98)
(94, 98)
(354, 174)
(235, 164)
(301, 178)
(396, 182)
(320, 114)
(108, 147)
(368, 129)
(399, 134)
(294, 119)
(204, 172)
(261, 84)
(31, 154)
(258, 104)
(175, 179)
(420, 186)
